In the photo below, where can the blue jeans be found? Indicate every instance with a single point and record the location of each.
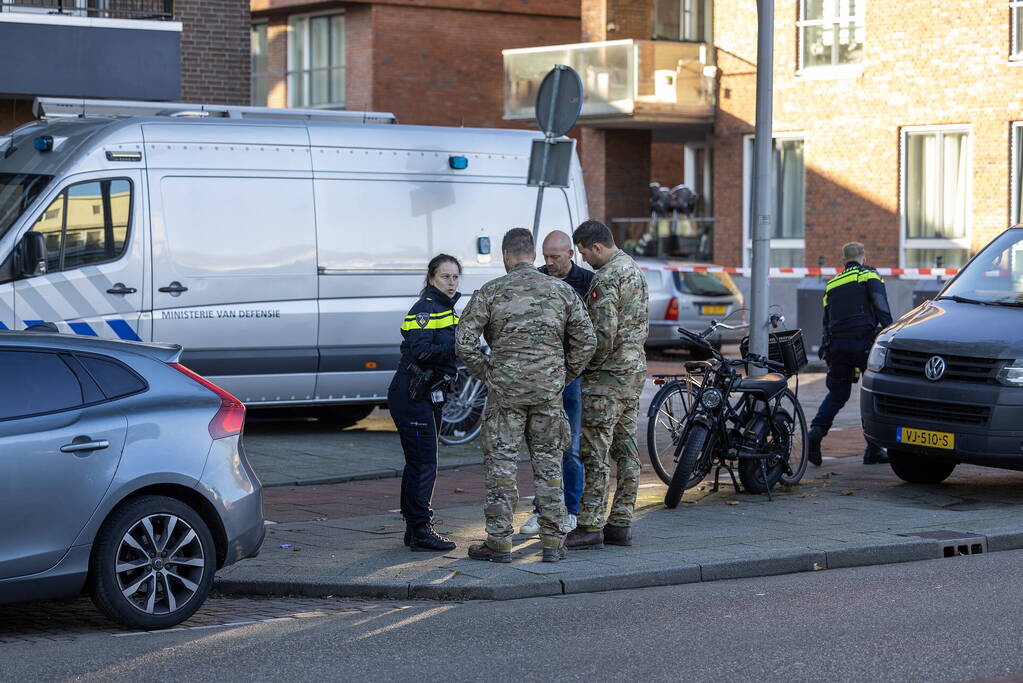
(573, 473)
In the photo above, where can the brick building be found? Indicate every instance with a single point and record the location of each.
(192, 50)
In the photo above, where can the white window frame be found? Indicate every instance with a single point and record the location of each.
(690, 171)
(1015, 171)
(306, 69)
(265, 25)
(747, 198)
(1015, 17)
(685, 19)
(933, 243)
(851, 69)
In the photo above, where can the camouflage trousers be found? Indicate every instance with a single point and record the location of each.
(543, 429)
(609, 434)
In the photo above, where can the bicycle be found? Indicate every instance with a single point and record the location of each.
(753, 430)
(462, 415)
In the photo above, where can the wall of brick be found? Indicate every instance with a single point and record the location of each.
(13, 113)
(925, 64)
(215, 50)
(666, 163)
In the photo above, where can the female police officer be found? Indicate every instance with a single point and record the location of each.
(427, 356)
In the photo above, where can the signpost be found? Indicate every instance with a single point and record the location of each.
(558, 105)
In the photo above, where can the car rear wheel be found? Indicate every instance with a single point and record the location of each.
(152, 564)
(918, 470)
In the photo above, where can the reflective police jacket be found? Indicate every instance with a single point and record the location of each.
(428, 332)
(855, 304)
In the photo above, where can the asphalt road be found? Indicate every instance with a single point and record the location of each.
(941, 620)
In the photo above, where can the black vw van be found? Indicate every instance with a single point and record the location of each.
(944, 383)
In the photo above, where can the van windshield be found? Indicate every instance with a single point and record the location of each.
(17, 191)
(705, 284)
(995, 276)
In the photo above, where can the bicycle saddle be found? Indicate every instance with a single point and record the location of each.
(770, 385)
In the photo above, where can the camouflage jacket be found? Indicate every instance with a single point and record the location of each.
(527, 318)
(617, 304)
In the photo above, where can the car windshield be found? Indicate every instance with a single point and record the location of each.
(995, 276)
(17, 190)
(705, 284)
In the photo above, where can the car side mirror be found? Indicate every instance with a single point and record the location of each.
(32, 256)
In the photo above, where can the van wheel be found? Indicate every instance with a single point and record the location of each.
(342, 416)
(153, 563)
(917, 470)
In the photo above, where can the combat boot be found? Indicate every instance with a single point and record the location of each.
(554, 553)
(875, 455)
(813, 441)
(483, 552)
(580, 538)
(617, 535)
(422, 538)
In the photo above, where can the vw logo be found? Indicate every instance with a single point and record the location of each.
(935, 368)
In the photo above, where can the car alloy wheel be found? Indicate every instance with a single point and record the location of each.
(160, 564)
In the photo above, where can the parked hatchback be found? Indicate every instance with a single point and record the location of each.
(121, 472)
(944, 383)
(691, 300)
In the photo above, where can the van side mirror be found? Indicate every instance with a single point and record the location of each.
(31, 255)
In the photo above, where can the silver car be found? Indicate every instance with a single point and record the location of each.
(121, 472)
(679, 298)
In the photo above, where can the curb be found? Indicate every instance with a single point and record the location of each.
(470, 588)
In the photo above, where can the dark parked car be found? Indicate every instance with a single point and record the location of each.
(121, 473)
(944, 383)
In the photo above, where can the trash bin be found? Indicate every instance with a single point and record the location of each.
(925, 290)
(810, 313)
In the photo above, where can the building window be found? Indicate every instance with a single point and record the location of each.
(830, 32)
(788, 188)
(1017, 171)
(259, 65)
(935, 197)
(316, 61)
(687, 20)
(1016, 8)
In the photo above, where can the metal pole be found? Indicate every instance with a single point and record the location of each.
(762, 201)
(548, 141)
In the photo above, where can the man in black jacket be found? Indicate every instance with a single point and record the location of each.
(557, 256)
(855, 310)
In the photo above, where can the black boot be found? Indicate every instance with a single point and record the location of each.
(423, 538)
(875, 455)
(813, 440)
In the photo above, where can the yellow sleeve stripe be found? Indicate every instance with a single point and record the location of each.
(410, 325)
(442, 314)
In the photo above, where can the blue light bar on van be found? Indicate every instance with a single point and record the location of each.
(458, 163)
(43, 143)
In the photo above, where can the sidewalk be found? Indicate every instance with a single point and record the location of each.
(844, 514)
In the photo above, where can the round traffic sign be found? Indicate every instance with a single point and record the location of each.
(559, 100)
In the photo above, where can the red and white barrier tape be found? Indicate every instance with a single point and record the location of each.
(804, 272)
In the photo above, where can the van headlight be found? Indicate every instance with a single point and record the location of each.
(876, 359)
(711, 399)
(1012, 374)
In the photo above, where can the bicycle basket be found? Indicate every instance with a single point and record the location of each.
(783, 347)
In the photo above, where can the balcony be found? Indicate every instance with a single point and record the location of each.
(626, 83)
(120, 49)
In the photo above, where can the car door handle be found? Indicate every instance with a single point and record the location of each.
(174, 288)
(77, 446)
(119, 288)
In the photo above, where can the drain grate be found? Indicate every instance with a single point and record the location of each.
(955, 543)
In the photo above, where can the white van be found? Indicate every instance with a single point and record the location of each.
(280, 248)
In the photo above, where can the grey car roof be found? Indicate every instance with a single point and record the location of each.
(164, 353)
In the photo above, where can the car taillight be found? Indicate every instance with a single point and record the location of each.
(230, 419)
(672, 312)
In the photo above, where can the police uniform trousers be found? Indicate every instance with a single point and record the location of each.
(845, 357)
(418, 423)
(609, 435)
(543, 430)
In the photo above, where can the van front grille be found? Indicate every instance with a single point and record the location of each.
(959, 368)
(938, 411)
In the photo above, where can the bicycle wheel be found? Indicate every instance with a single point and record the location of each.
(798, 447)
(666, 422)
(779, 442)
(461, 418)
(690, 449)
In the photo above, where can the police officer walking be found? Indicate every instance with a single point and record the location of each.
(529, 320)
(416, 396)
(612, 383)
(855, 310)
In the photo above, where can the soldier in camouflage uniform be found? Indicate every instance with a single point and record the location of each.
(612, 382)
(527, 318)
